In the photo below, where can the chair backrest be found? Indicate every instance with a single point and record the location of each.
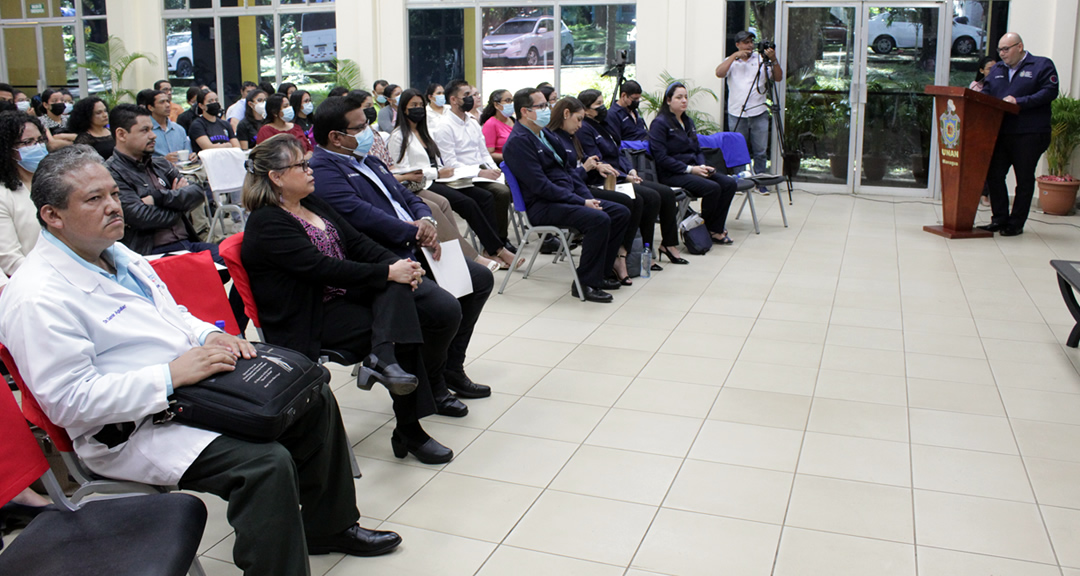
(230, 251)
(224, 168)
(31, 409)
(515, 189)
(21, 459)
(733, 144)
(636, 145)
(194, 283)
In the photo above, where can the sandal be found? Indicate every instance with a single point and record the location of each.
(624, 280)
(492, 265)
(725, 240)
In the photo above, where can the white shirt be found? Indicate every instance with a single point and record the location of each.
(237, 110)
(416, 156)
(19, 228)
(461, 142)
(745, 78)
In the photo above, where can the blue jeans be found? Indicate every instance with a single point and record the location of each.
(756, 132)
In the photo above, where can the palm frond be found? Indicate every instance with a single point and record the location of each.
(347, 73)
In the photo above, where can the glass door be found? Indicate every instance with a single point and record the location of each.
(40, 56)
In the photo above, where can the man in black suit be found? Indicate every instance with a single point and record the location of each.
(554, 197)
(362, 189)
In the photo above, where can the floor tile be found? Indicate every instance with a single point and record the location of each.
(628, 338)
(748, 445)
(604, 360)
(645, 432)
(690, 544)
(695, 370)
(713, 323)
(860, 337)
(505, 377)
(529, 351)
(852, 458)
(483, 412)
(704, 345)
(734, 491)
(853, 508)
(771, 377)
(955, 397)
(781, 352)
(421, 552)
(1042, 406)
(966, 431)
(1048, 440)
(511, 561)
(981, 525)
(949, 369)
(1054, 481)
(938, 562)
(556, 330)
(940, 344)
(618, 475)
(866, 318)
(812, 553)
(969, 472)
(859, 387)
(550, 419)
(761, 408)
(385, 486)
(583, 527)
(666, 397)
(886, 362)
(377, 445)
(513, 458)
(786, 330)
(860, 419)
(1064, 527)
(581, 387)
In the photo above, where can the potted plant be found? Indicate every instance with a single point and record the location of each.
(1057, 191)
(837, 131)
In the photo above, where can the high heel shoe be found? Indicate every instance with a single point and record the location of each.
(393, 376)
(428, 451)
(623, 280)
(665, 251)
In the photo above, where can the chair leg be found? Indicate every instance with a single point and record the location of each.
(196, 569)
(573, 268)
(783, 213)
(753, 210)
(521, 249)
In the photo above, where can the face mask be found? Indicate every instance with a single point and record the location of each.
(380, 99)
(508, 110)
(440, 100)
(633, 105)
(467, 104)
(23, 106)
(31, 156)
(543, 117)
(57, 109)
(68, 107)
(260, 109)
(601, 113)
(416, 115)
(370, 114)
(394, 100)
(214, 109)
(308, 109)
(288, 114)
(364, 140)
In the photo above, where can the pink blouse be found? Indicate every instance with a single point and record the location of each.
(496, 133)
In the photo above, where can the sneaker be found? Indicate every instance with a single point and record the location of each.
(763, 191)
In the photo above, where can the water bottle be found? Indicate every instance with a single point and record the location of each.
(220, 324)
(744, 175)
(646, 262)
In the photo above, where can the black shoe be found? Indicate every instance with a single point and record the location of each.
(356, 541)
(610, 284)
(665, 251)
(463, 387)
(510, 247)
(991, 227)
(592, 294)
(393, 376)
(1010, 231)
(656, 267)
(428, 451)
(550, 245)
(450, 406)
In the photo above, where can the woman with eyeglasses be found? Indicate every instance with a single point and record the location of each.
(497, 120)
(279, 120)
(22, 138)
(254, 113)
(320, 284)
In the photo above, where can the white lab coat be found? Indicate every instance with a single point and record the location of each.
(94, 353)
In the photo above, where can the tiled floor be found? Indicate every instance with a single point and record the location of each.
(848, 396)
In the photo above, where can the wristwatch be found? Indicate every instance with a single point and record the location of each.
(431, 221)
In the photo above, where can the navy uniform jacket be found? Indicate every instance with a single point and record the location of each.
(624, 125)
(363, 205)
(1034, 85)
(543, 177)
(597, 140)
(674, 147)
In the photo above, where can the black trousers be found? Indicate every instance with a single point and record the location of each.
(603, 231)
(364, 319)
(637, 207)
(477, 207)
(716, 193)
(278, 492)
(503, 198)
(667, 211)
(1021, 152)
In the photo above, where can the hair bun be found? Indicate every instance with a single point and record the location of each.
(249, 165)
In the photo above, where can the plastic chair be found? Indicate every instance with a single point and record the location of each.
(141, 535)
(731, 141)
(194, 283)
(528, 229)
(225, 173)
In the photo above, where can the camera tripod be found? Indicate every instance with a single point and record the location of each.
(617, 69)
(764, 64)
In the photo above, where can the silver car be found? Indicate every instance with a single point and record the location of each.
(530, 39)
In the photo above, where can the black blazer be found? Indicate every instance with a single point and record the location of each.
(674, 147)
(543, 177)
(288, 273)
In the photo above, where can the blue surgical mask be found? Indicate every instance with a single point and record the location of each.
(31, 156)
(68, 107)
(440, 100)
(364, 140)
(308, 108)
(543, 117)
(288, 114)
(380, 99)
(508, 109)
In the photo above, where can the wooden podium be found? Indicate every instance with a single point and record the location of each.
(968, 123)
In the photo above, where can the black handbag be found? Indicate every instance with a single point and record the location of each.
(257, 401)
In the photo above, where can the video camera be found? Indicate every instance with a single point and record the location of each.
(765, 45)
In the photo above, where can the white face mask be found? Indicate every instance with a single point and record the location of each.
(23, 105)
(260, 109)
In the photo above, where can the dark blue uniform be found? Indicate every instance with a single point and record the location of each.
(554, 197)
(1023, 137)
(674, 147)
(625, 125)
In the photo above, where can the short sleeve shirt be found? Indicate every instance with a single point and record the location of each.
(745, 78)
(219, 132)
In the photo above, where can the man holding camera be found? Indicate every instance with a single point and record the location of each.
(747, 84)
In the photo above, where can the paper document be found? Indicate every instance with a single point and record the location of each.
(450, 271)
(627, 189)
(462, 173)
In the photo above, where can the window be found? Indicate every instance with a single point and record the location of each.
(517, 50)
(599, 43)
(190, 54)
(436, 47)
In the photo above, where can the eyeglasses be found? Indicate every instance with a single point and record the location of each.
(543, 106)
(1005, 49)
(31, 142)
(303, 165)
(507, 100)
(167, 90)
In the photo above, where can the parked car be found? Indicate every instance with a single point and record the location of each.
(886, 36)
(528, 39)
(178, 52)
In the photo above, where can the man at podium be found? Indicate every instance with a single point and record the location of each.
(1031, 82)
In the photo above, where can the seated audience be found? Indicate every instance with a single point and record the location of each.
(338, 91)
(22, 102)
(497, 121)
(23, 143)
(623, 119)
(286, 88)
(377, 89)
(388, 114)
(165, 87)
(412, 148)
(238, 111)
(674, 144)
(436, 101)
(549, 93)
(89, 122)
(7, 93)
(208, 131)
(254, 113)
(361, 189)
(53, 111)
(304, 109)
(554, 197)
(279, 120)
(320, 284)
(104, 382)
(188, 116)
(171, 138)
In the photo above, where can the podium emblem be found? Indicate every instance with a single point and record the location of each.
(950, 126)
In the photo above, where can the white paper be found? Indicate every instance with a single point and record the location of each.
(627, 189)
(501, 179)
(462, 173)
(450, 271)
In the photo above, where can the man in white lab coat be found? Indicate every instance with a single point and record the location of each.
(102, 344)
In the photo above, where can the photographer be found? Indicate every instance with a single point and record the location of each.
(747, 84)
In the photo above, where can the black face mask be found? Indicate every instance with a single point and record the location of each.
(214, 109)
(370, 114)
(57, 109)
(416, 115)
(467, 104)
(601, 113)
(633, 105)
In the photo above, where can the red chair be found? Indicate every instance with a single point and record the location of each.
(194, 283)
(157, 534)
